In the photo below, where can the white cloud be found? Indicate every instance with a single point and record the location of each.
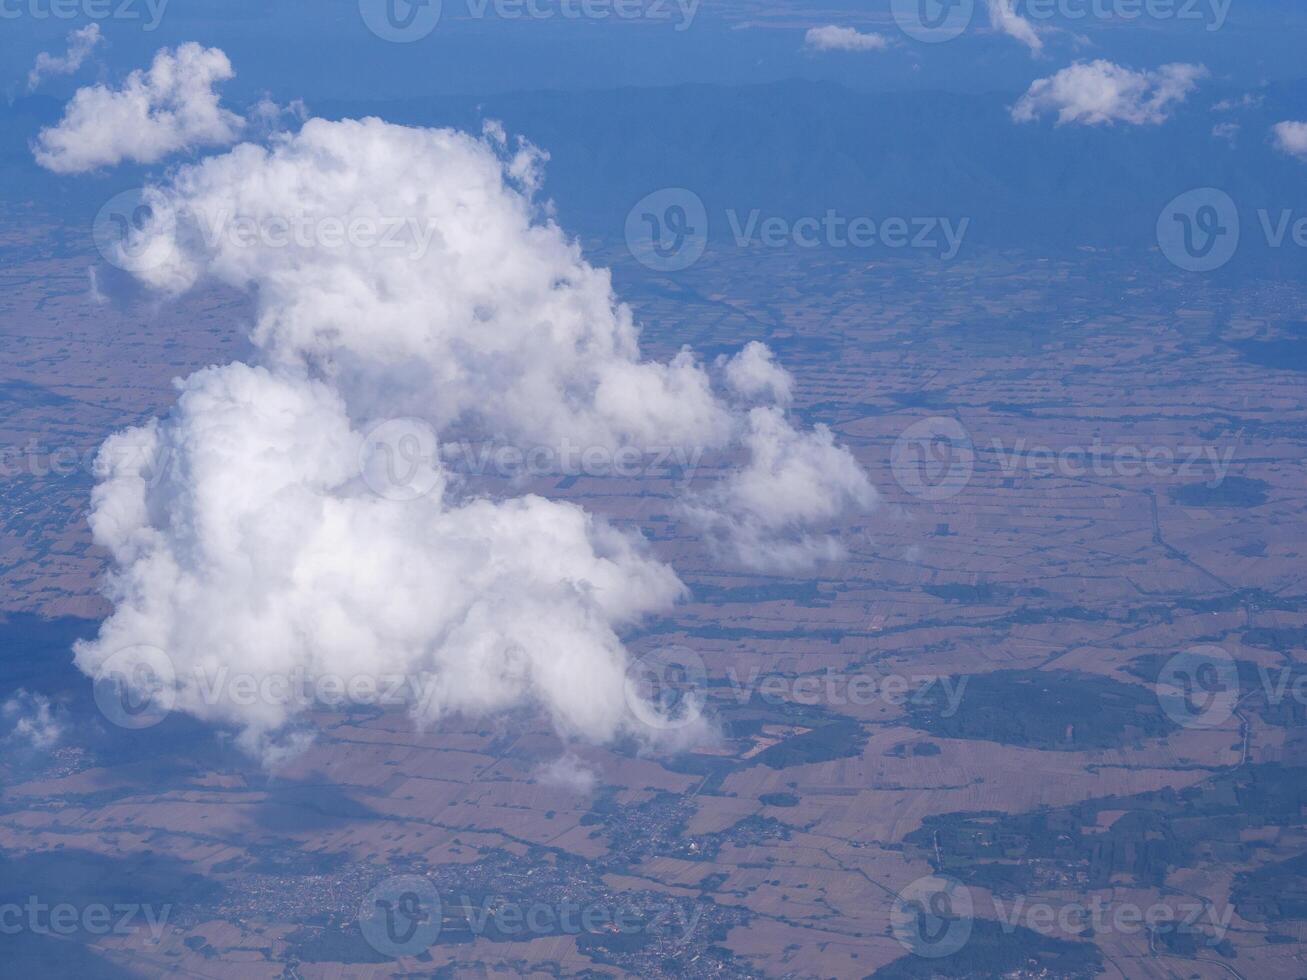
(30, 721)
(260, 546)
(261, 552)
(474, 310)
(80, 45)
(1291, 138)
(1004, 18)
(1249, 100)
(761, 515)
(832, 38)
(570, 773)
(170, 107)
(1102, 92)
(754, 374)
(266, 117)
(1228, 131)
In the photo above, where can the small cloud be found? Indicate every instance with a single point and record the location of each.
(754, 374)
(1226, 131)
(1097, 92)
(93, 287)
(171, 107)
(832, 38)
(80, 45)
(30, 720)
(1291, 138)
(568, 772)
(1248, 101)
(763, 516)
(267, 117)
(1004, 18)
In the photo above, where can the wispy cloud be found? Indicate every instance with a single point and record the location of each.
(1005, 19)
(832, 38)
(80, 45)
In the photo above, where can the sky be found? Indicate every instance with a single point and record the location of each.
(322, 49)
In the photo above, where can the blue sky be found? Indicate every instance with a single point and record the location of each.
(319, 49)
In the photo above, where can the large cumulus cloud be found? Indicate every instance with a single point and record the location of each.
(411, 274)
(258, 549)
